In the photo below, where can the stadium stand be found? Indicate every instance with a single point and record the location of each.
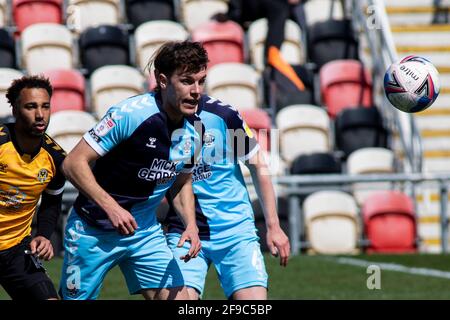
(112, 84)
(104, 45)
(197, 12)
(316, 163)
(236, 84)
(46, 46)
(345, 84)
(7, 50)
(149, 36)
(331, 222)
(389, 221)
(303, 129)
(224, 41)
(322, 10)
(358, 128)
(370, 161)
(331, 40)
(68, 126)
(292, 48)
(260, 122)
(29, 12)
(68, 90)
(141, 11)
(82, 14)
(7, 75)
(3, 13)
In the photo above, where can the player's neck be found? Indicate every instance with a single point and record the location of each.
(27, 143)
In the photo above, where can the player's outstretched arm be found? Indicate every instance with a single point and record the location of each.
(183, 200)
(77, 170)
(277, 241)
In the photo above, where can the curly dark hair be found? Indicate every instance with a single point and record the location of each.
(186, 56)
(17, 85)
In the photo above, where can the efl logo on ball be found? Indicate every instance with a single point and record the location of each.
(412, 84)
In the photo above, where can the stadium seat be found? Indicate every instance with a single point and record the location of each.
(141, 11)
(28, 12)
(285, 92)
(345, 84)
(224, 41)
(303, 129)
(82, 14)
(359, 128)
(331, 222)
(46, 46)
(196, 12)
(390, 222)
(292, 49)
(149, 36)
(370, 161)
(103, 45)
(68, 126)
(112, 84)
(322, 10)
(3, 13)
(68, 90)
(7, 50)
(316, 163)
(236, 84)
(260, 123)
(7, 75)
(331, 40)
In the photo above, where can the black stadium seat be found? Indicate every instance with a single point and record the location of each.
(7, 50)
(316, 163)
(140, 11)
(357, 128)
(104, 45)
(331, 40)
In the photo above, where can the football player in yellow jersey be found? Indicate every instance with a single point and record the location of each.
(29, 168)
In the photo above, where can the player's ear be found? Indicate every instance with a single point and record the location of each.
(162, 80)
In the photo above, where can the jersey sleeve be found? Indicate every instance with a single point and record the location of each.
(56, 185)
(112, 129)
(241, 140)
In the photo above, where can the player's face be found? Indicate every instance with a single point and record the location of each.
(184, 90)
(33, 111)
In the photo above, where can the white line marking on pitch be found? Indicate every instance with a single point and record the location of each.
(394, 267)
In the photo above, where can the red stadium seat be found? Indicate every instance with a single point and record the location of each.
(390, 222)
(68, 90)
(224, 41)
(28, 12)
(259, 121)
(342, 83)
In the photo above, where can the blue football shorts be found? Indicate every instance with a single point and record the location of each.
(144, 258)
(239, 263)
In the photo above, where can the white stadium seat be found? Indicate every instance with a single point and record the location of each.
(68, 126)
(331, 221)
(196, 12)
(151, 35)
(6, 77)
(112, 84)
(292, 49)
(235, 84)
(303, 129)
(46, 46)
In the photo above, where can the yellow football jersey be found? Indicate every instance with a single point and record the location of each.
(23, 178)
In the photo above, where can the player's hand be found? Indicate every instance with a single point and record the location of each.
(278, 244)
(42, 248)
(191, 235)
(122, 221)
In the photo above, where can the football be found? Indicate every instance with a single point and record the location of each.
(411, 84)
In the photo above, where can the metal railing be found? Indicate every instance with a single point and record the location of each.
(370, 16)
